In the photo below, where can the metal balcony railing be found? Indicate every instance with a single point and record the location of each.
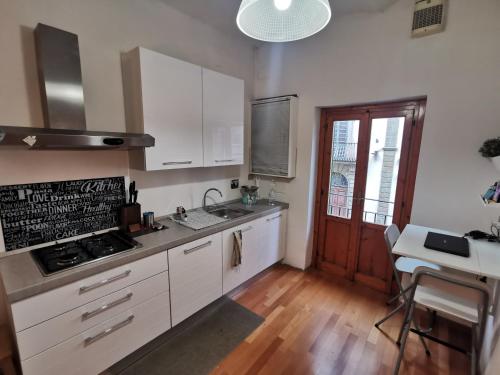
(345, 152)
(345, 210)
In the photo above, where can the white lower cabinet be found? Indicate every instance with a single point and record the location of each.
(84, 327)
(47, 334)
(272, 247)
(250, 263)
(195, 276)
(94, 350)
(44, 306)
(263, 244)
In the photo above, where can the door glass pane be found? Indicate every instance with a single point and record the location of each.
(383, 167)
(343, 168)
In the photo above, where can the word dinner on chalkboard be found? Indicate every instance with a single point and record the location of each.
(32, 214)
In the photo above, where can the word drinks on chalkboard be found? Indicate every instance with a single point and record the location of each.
(32, 214)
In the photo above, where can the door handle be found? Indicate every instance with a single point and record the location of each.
(106, 307)
(85, 289)
(273, 218)
(177, 162)
(106, 332)
(189, 251)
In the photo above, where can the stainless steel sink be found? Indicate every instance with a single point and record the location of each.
(228, 213)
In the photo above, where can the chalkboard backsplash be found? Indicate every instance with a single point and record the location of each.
(32, 214)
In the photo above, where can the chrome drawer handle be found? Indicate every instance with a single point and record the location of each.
(85, 289)
(189, 251)
(106, 332)
(106, 307)
(224, 160)
(274, 218)
(177, 162)
(247, 229)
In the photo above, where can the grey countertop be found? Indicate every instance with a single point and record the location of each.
(22, 279)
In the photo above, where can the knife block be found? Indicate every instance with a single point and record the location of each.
(130, 214)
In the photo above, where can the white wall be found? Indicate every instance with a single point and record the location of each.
(370, 57)
(105, 30)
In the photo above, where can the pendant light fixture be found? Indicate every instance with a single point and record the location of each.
(282, 20)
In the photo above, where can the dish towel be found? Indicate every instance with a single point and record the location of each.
(237, 248)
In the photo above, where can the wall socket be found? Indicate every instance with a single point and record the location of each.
(235, 184)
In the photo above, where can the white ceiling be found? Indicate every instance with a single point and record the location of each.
(222, 13)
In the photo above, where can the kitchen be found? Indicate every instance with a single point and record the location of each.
(119, 46)
(56, 220)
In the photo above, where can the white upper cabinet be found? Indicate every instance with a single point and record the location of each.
(194, 114)
(165, 100)
(223, 122)
(171, 96)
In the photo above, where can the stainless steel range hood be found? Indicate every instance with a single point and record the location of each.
(59, 70)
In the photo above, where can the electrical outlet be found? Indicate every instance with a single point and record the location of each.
(235, 184)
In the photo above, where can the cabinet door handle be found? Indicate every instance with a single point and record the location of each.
(85, 289)
(177, 162)
(247, 229)
(189, 251)
(106, 307)
(224, 161)
(106, 332)
(274, 218)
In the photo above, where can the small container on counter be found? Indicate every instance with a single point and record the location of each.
(148, 219)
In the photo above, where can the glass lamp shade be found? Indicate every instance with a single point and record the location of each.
(282, 20)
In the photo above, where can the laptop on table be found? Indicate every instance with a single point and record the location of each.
(447, 244)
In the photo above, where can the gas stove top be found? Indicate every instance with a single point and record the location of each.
(67, 255)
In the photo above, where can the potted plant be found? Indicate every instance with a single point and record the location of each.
(491, 149)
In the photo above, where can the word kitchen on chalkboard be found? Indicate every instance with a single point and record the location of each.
(32, 214)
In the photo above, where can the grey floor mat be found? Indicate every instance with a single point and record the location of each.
(195, 346)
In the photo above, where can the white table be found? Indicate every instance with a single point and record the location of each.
(484, 257)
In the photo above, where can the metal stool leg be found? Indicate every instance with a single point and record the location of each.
(406, 330)
(400, 335)
(398, 295)
(427, 351)
(473, 354)
(391, 314)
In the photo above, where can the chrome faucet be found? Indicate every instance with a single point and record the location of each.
(205, 196)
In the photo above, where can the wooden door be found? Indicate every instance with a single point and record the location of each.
(366, 174)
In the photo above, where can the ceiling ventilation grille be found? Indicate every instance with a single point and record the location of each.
(428, 17)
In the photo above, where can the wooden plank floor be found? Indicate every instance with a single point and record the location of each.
(318, 324)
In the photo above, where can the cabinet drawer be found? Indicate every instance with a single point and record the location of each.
(98, 348)
(195, 271)
(47, 334)
(31, 311)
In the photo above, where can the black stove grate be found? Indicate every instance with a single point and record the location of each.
(59, 257)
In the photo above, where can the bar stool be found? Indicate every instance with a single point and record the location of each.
(6, 363)
(450, 295)
(402, 264)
